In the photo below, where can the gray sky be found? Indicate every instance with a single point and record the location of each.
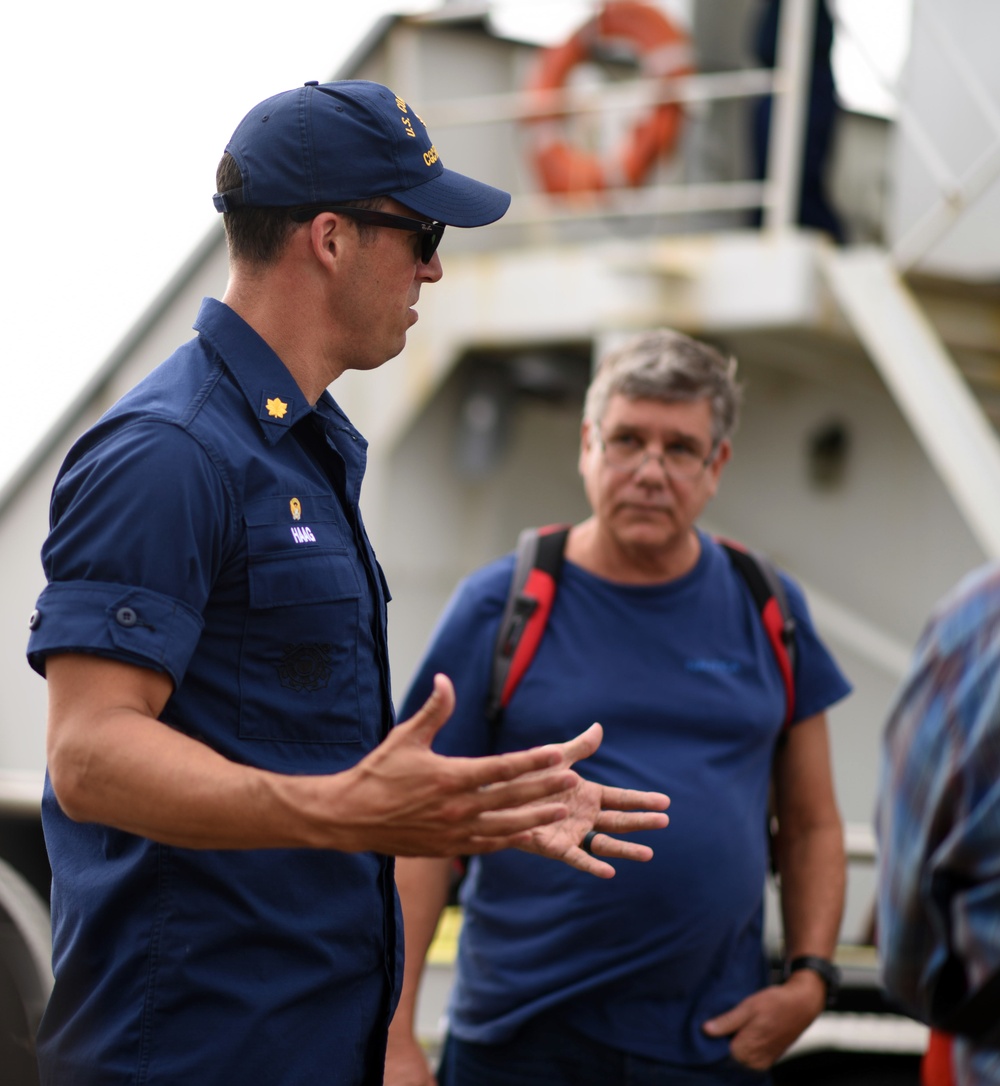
(116, 114)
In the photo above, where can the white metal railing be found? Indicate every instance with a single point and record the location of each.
(689, 89)
(776, 196)
(788, 83)
(789, 111)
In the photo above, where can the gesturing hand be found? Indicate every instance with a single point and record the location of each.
(404, 799)
(591, 806)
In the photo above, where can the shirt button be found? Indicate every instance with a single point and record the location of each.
(35, 620)
(125, 616)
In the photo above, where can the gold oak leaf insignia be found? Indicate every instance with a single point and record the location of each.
(276, 408)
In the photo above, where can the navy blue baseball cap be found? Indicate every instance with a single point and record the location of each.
(326, 143)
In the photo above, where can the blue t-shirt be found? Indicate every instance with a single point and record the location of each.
(683, 679)
(208, 527)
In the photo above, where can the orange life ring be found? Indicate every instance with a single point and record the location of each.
(663, 52)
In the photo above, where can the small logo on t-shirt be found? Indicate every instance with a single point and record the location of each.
(721, 667)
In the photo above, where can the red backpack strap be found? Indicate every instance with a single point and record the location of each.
(937, 1067)
(772, 603)
(526, 613)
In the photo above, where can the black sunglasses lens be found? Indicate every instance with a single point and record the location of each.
(430, 241)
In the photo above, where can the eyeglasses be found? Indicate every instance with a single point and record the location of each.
(430, 233)
(627, 453)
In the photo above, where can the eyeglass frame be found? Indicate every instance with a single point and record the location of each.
(661, 457)
(430, 232)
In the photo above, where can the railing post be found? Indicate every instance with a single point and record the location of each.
(789, 112)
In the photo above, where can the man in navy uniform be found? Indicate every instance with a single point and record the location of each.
(225, 792)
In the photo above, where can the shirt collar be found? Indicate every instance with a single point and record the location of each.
(269, 388)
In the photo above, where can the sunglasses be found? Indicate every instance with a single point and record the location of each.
(429, 233)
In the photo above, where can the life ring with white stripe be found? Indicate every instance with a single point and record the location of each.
(663, 51)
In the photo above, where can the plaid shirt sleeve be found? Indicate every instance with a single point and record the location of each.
(938, 811)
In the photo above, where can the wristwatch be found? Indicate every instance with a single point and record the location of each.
(826, 969)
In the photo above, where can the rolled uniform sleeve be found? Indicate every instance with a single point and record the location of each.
(140, 518)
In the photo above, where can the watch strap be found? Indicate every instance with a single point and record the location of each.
(829, 973)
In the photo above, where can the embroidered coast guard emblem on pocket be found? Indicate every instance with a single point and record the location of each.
(296, 507)
(306, 667)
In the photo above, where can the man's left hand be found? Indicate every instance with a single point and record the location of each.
(597, 807)
(764, 1024)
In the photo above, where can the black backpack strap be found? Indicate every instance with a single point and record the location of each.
(526, 613)
(772, 603)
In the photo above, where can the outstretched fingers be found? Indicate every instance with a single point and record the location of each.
(625, 810)
(616, 849)
(630, 799)
(493, 830)
(531, 786)
(611, 848)
(584, 858)
(630, 821)
(537, 767)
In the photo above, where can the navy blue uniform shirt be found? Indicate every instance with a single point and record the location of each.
(208, 527)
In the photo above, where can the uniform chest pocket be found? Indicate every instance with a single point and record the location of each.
(299, 656)
(301, 579)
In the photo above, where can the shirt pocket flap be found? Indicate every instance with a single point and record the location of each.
(297, 552)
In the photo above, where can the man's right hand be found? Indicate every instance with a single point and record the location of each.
(403, 799)
(405, 1062)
